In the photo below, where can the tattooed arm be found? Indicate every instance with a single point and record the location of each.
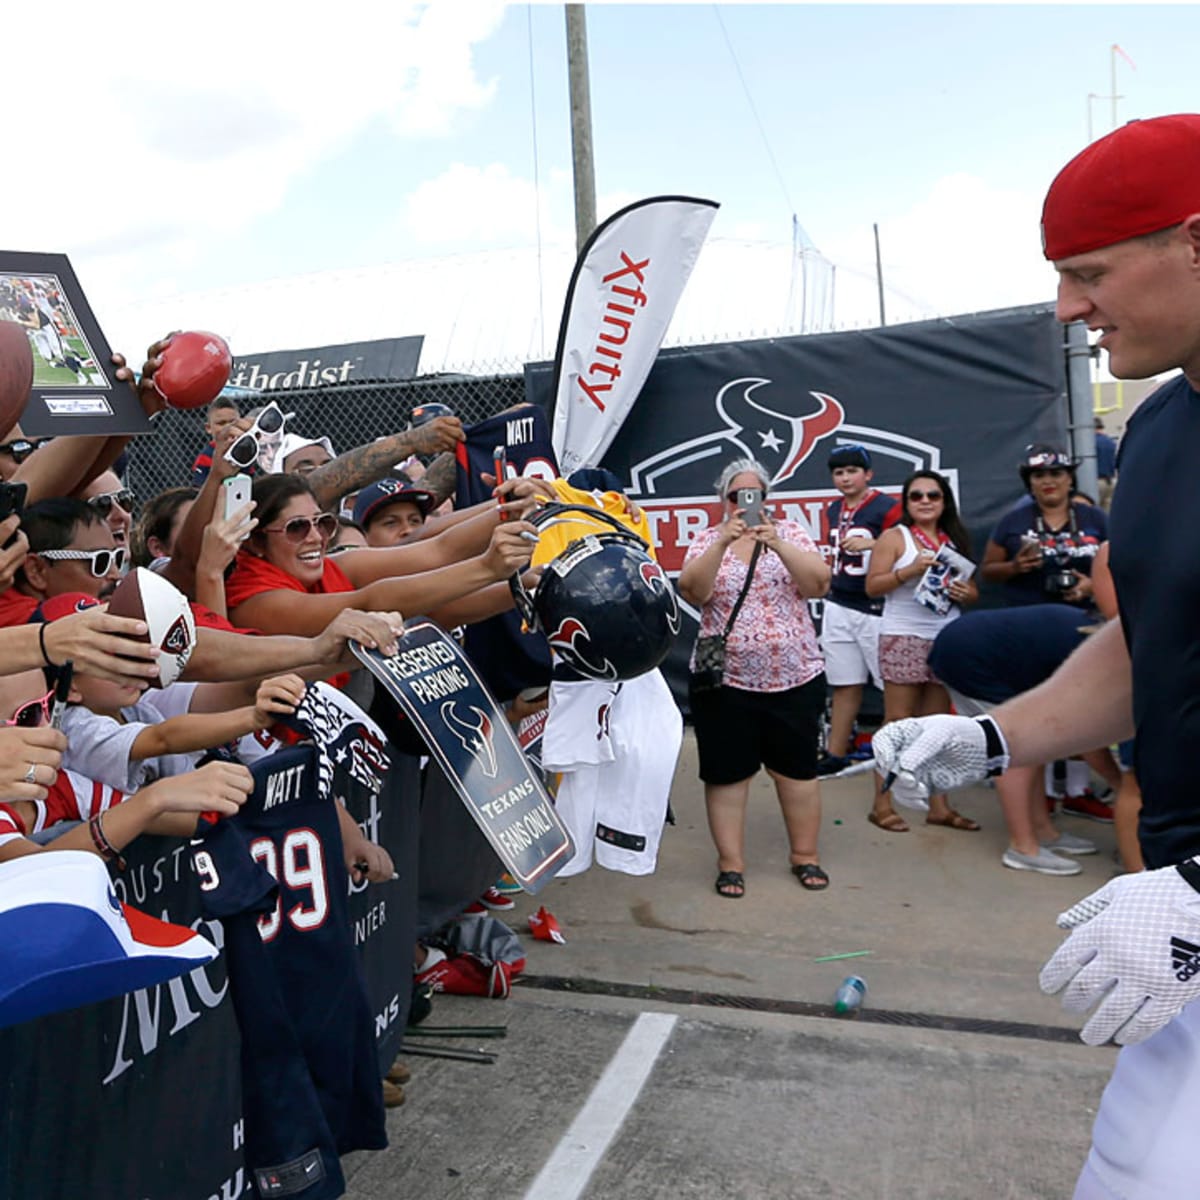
(363, 465)
(441, 477)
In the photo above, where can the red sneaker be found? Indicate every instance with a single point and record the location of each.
(496, 901)
(1087, 805)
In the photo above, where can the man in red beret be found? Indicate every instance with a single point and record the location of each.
(1121, 224)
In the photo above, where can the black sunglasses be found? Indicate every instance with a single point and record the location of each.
(21, 448)
(103, 503)
(915, 495)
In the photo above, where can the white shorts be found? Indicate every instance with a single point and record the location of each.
(850, 643)
(1145, 1130)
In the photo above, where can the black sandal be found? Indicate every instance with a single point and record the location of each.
(812, 877)
(734, 881)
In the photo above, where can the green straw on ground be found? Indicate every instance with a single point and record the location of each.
(848, 954)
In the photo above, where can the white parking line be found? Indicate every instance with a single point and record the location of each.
(581, 1148)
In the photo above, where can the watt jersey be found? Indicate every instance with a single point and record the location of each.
(508, 659)
(275, 876)
(870, 518)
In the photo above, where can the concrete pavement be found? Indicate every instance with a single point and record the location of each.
(750, 1102)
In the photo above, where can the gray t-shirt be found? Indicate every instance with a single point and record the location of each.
(98, 747)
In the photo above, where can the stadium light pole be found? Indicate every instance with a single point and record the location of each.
(581, 124)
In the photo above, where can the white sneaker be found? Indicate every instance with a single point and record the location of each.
(1044, 862)
(1068, 843)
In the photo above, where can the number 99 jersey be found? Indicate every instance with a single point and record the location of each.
(274, 875)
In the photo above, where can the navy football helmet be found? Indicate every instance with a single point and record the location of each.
(606, 607)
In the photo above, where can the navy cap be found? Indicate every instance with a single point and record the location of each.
(851, 454)
(379, 495)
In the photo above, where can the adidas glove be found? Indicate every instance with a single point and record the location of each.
(941, 752)
(1135, 947)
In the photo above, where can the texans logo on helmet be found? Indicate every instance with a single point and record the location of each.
(656, 581)
(566, 640)
(476, 735)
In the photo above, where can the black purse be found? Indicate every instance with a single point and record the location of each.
(709, 671)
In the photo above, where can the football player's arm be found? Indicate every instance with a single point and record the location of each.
(1087, 702)
(356, 468)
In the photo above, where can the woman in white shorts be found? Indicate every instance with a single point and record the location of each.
(900, 560)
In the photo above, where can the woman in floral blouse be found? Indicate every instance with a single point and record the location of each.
(767, 711)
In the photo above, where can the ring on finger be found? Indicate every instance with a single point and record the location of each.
(30, 775)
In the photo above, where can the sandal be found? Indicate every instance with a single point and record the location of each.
(955, 820)
(731, 885)
(812, 876)
(890, 823)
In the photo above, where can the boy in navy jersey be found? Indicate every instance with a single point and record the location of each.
(850, 626)
(1121, 224)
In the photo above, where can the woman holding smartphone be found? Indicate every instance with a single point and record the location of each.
(767, 709)
(899, 562)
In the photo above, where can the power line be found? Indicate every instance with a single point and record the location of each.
(754, 112)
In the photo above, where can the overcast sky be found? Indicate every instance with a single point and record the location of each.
(180, 152)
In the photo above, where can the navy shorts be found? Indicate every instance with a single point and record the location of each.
(737, 731)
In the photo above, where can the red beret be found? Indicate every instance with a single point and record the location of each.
(1139, 179)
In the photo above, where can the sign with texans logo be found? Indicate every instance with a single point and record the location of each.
(960, 396)
(470, 738)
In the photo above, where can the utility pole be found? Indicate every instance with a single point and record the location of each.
(581, 124)
(879, 276)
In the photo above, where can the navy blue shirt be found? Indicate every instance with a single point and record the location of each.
(1157, 574)
(1106, 456)
(995, 654)
(1073, 548)
(848, 587)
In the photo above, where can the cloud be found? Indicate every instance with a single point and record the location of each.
(178, 126)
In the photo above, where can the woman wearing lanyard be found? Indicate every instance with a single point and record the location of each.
(899, 560)
(1042, 548)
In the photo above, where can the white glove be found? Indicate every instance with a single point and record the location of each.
(1134, 946)
(940, 752)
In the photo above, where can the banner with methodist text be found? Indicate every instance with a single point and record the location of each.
(622, 295)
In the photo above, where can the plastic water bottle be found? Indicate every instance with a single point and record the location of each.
(849, 996)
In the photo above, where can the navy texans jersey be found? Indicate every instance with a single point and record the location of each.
(848, 587)
(508, 659)
(275, 877)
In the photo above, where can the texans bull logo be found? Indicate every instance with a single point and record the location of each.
(475, 735)
(652, 575)
(775, 435)
(178, 639)
(571, 640)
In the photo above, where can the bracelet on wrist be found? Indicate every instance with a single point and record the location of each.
(104, 847)
(42, 645)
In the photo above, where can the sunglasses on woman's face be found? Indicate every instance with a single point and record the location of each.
(296, 530)
(103, 503)
(915, 495)
(102, 561)
(33, 714)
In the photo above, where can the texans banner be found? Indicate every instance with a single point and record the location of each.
(472, 741)
(960, 396)
(627, 280)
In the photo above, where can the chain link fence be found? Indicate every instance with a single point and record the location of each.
(349, 414)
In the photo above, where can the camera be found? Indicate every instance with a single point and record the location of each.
(1058, 578)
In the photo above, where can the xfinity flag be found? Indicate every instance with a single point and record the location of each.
(621, 298)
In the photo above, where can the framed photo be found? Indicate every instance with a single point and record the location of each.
(75, 389)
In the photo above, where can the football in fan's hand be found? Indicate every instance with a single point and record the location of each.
(148, 597)
(195, 367)
(16, 373)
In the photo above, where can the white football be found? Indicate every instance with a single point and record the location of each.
(148, 597)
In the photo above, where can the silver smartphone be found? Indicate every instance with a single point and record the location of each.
(237, 493)
(749, 500)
